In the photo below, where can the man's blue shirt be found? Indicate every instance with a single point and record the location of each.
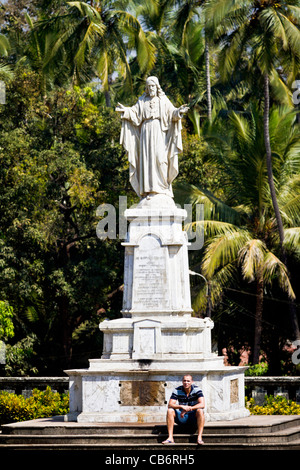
(182, 398)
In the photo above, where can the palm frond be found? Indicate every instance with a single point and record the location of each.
(292, 33)
(271, 21)
(280, 90)
(86, 10)
(289, 200)
(217, 11)
(242, 127)
(214, 208)
(6, 72)
(231, 52)
(292, 240)
(222, 250)
(294, 12)
(272, 268)
(223, 278)
(251, 257)
(4, 45)
(93, 31)
(145, 49)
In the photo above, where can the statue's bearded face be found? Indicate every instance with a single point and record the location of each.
(152, 89)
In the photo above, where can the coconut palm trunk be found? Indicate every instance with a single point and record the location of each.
(107, 93)
(208, 82)
(292, 309)
(269, 164)
(258, 316)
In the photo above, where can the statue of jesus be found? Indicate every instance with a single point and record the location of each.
(151, 136)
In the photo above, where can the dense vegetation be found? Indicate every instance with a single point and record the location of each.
(41, 404)
(65, 65)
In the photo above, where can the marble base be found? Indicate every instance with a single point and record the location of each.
(157, 337)
(140, 395)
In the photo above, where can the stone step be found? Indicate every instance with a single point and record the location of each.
(129, 447)
(287, 435)
(56, 425)
(254, 432)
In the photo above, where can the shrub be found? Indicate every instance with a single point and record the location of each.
(42, 404)
(273, 406)
(257, 369)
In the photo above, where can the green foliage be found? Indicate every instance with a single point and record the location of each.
(60, 158)
(273, 406)
(6, 324)
(21, 357)
(256, 370)
(196, 167)
(57, 167)
(42, 404)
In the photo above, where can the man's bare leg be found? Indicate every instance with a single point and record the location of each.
(200, 424)
(170, 426)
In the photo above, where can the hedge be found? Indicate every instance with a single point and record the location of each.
(273, 406)
(42, 404)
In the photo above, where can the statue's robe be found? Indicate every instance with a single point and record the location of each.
(151, 135)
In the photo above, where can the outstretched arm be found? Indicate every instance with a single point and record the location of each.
(179, 112)
(182, 110)
(132, 113)
(120, 108)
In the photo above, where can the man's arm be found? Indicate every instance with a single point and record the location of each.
(199, 405)
(173, 404)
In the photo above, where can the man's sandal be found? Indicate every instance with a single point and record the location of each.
(168, 441)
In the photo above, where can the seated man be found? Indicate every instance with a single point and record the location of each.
(186, 406)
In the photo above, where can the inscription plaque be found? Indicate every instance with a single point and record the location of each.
(142, 393)
(234, 391)
(150, 280)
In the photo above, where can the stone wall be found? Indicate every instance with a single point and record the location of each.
(258, 387)
(24, 385)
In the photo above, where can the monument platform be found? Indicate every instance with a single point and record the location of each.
(158, 340)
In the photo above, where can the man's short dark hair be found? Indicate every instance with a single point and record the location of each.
(187, 375)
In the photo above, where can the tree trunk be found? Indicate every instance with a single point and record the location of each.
(258, 316)
(107, 92)
(292, 309)
(294, 320)
(63, 305)
(269, 164)
(209, 306)
(208, 84)
(107, 98)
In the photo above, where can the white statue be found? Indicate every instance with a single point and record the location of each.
(151, 135)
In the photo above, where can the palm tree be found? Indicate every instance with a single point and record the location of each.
(156, 17)
(240, 230)
(35, 55)
(267, 32)
(96, 38)
(5, 47)
(188, 12)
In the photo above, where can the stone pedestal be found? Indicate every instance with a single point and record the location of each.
(157, 341)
